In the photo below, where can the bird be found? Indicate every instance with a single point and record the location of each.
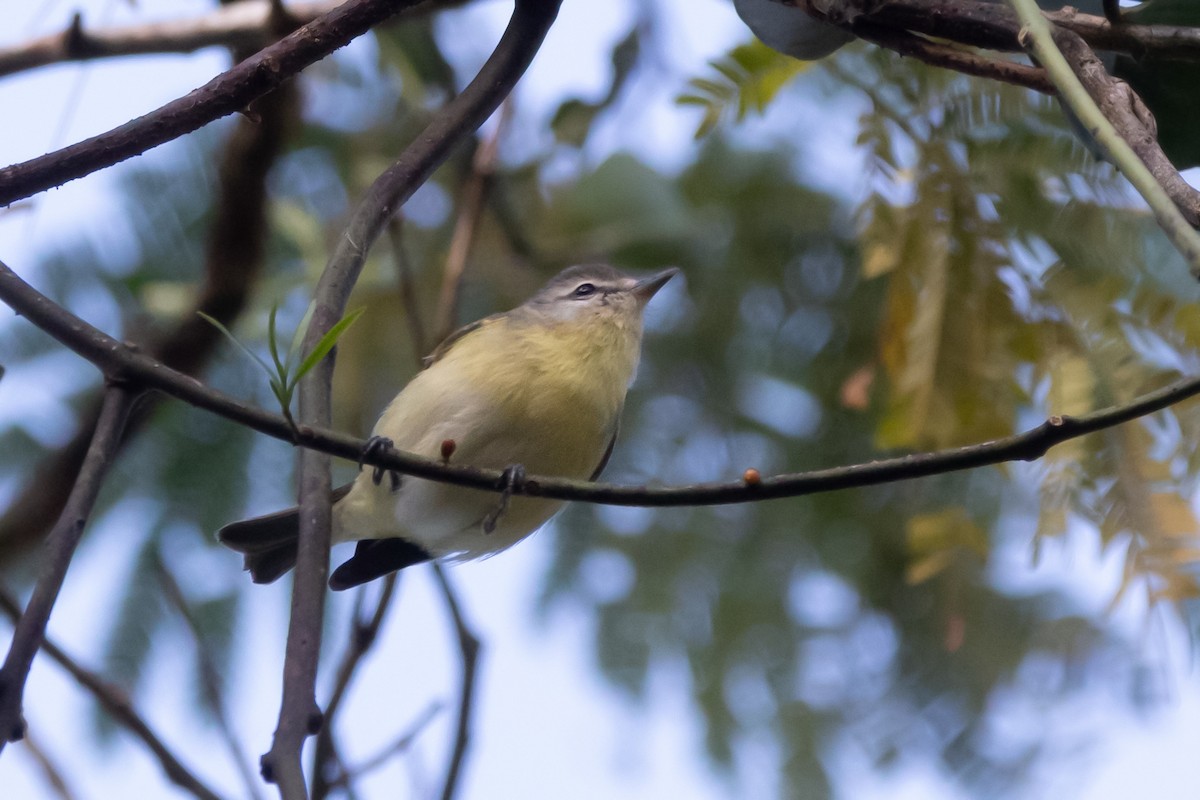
(539, 388)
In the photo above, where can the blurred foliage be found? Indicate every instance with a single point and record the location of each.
(981, 273)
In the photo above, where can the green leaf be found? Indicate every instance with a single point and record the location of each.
(326, 344)
(228, 335)
(747, 78)
(298, 335)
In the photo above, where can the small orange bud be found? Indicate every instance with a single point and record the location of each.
(751, 477)
(448, 448)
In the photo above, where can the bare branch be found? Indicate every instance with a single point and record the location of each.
(469, 646)
(60, 548)
(298, 716)
(402, 743)
(483, 164)
(1125, 111)
(997, 27)
(248, 24)
(50, 771)
(958, 59)
(363, 634)
(408, 289)
(1164, 41)
(107, 353)
(118, 706)
(229, 92)
(994, 25)
(210, 677)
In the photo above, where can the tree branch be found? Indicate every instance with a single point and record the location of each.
(60, 548)
(363, 634)
(1119, 103)
(299, 716)
(402, 743)
(55, 780)
(118, 706)
(210, 676)
(994, 26)
(408, 289)
(483, 165)
(956, 58)
(468, 646)
(246, 24)
(229, 92)
(1030, 445)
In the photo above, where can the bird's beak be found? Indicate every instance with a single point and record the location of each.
(646, 288)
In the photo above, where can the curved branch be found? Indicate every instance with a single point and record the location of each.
(299, 715)
(60, 548)
(1120, 103)
(229, 92)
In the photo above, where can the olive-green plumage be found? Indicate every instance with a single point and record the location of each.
(540, 386)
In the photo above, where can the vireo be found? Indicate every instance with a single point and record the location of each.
(539, 388)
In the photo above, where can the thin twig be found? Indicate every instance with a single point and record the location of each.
(299, 715)
(474, 192)
(50, 771)
(474, 195)
(228, 93)
(1120, 101)
(401, 744)
(210, 677)
(469, 646)
(363, 634)
(245, 24)
(118, 706)
(1029, 445)
(59, 550)
(408, 288)
(956, 58)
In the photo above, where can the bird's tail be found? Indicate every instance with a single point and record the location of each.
(268, 543)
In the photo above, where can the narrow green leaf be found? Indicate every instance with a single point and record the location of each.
(280, 367)
(298, 336)
(326, 344)
(228, 335)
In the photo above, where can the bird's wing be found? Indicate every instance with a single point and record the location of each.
(440, 351)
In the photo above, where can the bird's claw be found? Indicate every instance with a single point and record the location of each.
(511, 480)
(374, 446)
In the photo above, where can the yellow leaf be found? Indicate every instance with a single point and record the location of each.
(1173, 515)
(927, 567)
(945, 530)
(879, 259)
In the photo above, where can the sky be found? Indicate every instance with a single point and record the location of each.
(576, 735)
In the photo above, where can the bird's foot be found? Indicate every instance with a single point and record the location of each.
(374, 446)
(511, 480)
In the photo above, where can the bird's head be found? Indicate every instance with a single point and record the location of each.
(597, 292)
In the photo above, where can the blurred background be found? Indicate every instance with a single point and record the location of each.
(878, 258)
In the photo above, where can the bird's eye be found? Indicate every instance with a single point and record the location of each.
(583, 290)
